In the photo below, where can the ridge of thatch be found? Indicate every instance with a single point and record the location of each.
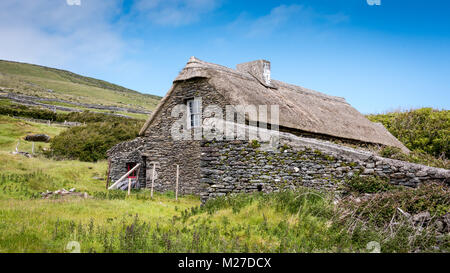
(299, 108)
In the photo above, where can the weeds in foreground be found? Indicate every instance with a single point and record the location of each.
(287, 221)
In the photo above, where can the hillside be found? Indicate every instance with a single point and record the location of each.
(63, 88)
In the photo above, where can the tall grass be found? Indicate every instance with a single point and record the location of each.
(288, 221)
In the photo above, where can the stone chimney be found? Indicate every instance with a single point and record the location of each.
(259, 69)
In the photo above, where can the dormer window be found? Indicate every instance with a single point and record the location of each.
(193, 113)
(266, 73)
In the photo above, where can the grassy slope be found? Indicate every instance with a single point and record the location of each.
(35, 80)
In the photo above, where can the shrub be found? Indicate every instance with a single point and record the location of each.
(423, 130)
(433, 197)
(91, 142)
(26, 111)
(369, 184)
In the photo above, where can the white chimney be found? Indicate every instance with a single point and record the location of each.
(259, 69)
(266, 72)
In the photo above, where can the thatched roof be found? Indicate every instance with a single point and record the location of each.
(299, 108)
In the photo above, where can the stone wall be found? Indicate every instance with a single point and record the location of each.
(127, 152)
(244, 166)
(38, 101)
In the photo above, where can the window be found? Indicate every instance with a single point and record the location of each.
(194, 114)
(129, 167)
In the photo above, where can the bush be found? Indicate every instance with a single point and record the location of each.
(423, 130)
(26, 111)
(91, 142)
(434, 198)
(369, 184)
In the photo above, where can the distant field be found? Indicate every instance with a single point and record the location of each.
(47, 82)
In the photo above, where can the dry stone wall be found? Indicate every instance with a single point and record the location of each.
(243, 166)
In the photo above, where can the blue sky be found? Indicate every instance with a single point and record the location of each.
(380, 58)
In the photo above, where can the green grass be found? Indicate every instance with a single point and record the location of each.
(70, 173)
(29, 225)
(35, 80)
(12, 130)
(110, 221)
(289, 221)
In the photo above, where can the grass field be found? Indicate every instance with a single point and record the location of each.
(111, 221)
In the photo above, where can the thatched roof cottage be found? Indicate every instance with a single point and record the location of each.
(313, 120)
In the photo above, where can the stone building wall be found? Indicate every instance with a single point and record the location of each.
(244, 166)
(127, 152)
(161, 147)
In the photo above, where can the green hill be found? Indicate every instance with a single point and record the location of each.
(51, 83)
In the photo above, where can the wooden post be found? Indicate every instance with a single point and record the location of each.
(109, 172)
(129, 186)
(153, 179)
(32, 148)
(176, 183)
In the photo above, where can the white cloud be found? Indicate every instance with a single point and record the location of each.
(53, 33)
